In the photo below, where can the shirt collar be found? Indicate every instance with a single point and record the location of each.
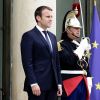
(39, 28)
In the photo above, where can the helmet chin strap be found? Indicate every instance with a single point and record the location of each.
(72, 33)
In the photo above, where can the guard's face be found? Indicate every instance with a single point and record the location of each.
(73, 32)
(45, 20)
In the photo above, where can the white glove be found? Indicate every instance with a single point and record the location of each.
(89, 47)
(89, 82)
(84, 45)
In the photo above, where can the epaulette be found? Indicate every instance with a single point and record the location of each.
(59, 45)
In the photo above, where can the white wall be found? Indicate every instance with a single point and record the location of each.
(22, 19)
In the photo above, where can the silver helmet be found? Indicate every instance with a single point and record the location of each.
(71, 20)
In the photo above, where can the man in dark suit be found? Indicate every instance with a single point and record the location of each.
(40, 59)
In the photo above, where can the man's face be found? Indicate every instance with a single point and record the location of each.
(73, 32)
(45, 20)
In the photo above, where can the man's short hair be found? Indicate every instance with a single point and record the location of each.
(38, 11)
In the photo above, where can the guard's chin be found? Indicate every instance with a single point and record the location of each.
(77, 36)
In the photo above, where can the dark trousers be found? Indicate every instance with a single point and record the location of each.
(78, 94)
(45, 95)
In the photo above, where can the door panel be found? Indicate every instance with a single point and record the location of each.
(1, 42)
(0, 65)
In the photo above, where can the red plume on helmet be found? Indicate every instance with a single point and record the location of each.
(76, 8)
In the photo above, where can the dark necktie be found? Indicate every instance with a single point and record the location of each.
(47, 39)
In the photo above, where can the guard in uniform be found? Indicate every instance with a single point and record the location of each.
(77, 81)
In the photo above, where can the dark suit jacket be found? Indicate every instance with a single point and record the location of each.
(40, 65)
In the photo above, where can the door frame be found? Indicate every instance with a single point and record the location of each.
(6, 50)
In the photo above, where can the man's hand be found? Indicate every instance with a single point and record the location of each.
(59, 92)
(84, 45)
(36, 90)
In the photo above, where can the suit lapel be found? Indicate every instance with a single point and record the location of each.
(40, 37)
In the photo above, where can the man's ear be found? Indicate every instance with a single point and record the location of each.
(38, 18)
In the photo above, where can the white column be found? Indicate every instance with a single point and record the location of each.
(22, 19)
